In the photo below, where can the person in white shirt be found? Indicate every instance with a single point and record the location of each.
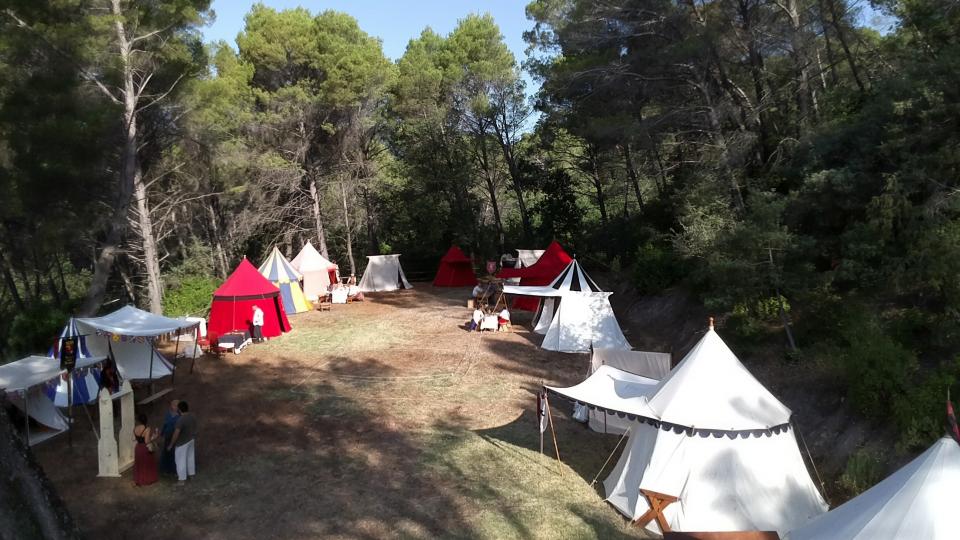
(477, 318)
(504, 319)
(257, 324)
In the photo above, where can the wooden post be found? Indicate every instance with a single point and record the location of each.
(107, 445)
(127, 421)
(553, 432)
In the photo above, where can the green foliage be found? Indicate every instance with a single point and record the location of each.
(190, 296)
(656, 268)
(863, 470)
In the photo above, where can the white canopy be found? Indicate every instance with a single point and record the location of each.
(614, 390)
(383, 273)
(710, 388)
(133, 322)
(652, 365)
(25, 381)
(35, 371)
(917, 501)
(128, 334)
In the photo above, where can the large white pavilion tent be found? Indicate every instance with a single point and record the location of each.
(917, 501)
(128, 335)
(709, 434)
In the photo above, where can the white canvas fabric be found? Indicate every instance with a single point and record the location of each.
(528, 257)
(613, 389)
(710, 388)
(753, 483)
(315, 269)
(917, 501)
(383, 273)
(136, 359)
(653, 365)
(545, 316)
(583, 320)
(23, 381)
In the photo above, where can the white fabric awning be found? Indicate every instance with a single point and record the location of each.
(613, 390)
(32, 371)
(133, 322)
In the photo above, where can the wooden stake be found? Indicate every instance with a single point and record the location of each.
(553, 432)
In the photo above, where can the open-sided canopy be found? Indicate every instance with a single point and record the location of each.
(132, 322)
(31, 371)
(277, 268)
(613, 390)
(246, 283)
(917, 501)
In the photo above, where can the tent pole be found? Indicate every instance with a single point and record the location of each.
(823, 488)
(70, 407)
(614, 451)
(26, 412)
(553, 432)
(176, 351)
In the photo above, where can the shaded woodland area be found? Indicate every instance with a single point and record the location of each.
(776, 158)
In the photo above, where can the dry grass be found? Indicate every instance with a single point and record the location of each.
(381, 419)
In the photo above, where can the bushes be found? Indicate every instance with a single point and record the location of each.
(191, 296)
(656, 268)
(863, 471)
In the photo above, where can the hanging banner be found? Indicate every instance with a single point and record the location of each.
(68, 353)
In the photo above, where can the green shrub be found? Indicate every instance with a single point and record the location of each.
(33, 329)
(190, 296)
(877, 368)
(863, 471)
(656, 268)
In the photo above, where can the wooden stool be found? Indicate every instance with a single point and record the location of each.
(658, 502)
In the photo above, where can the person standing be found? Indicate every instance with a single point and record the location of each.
(184, 440)
(257, 324)
(144, 463)
(168, 464)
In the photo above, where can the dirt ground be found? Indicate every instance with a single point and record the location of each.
(382, 419)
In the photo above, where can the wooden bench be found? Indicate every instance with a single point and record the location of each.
(153, 397)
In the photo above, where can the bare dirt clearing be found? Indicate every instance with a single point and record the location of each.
(378, 419)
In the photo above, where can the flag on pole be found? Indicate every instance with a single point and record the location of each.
(952, 420)
(542, 410)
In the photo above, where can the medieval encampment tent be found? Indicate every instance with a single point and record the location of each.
(550, 264)
(26, 380)
(85, 384)
(652, 365)
(917, 501)
(277, 270)
(575, 314)
(383, 273)
(232, 308)
(127, 335)
(456, 270)
(528, 257)
(710, 434)
(318, 272)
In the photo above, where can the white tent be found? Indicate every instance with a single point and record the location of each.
(652, 365)
(574, 314)
(383, 273)
(128, 334)
(917, 501)
(316, 269)
(25, 382)
(528, 257)
(712, 435)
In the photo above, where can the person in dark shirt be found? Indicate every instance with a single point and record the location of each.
(184, 441)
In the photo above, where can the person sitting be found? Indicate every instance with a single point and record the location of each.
(504, 320)
(474, 323)
(144, 464)
(477, 291)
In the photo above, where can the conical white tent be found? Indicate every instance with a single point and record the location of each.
(574, 314)
(383, 273)
(917, 501)
(713, 436)
(318, 272)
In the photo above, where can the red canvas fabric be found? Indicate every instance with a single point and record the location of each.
(456, 270)
(545, 270)
(233, 302)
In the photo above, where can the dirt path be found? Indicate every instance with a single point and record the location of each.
(380, 419)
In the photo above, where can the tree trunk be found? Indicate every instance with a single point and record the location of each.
(151, 259)
(492, 190)
(29, 505)
(598, 187)
(835, 19)
(721, 141)
(632, 172)
(801, 61)
(11, 284)
(318, 218)
(755, 59)
(103, 266)
(220, 256)
(346, 226)
(828, 44)
(371, 230)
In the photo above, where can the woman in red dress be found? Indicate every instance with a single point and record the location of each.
(144, 463)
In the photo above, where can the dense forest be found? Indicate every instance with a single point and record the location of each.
(785, 163)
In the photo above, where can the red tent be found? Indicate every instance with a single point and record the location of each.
(456, 270)
(233, 303)
(542, 272)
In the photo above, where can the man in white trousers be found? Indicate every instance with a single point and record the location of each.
(184, 440)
